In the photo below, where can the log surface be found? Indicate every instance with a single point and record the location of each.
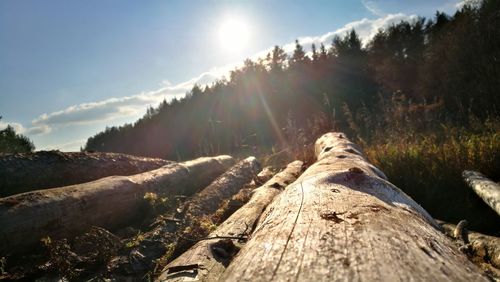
(25, 172)
(208, 200)
(207, 265)
(483, 246)
(109, 202)
(488, 190)
(342, 220)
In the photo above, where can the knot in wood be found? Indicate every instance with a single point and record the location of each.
(224, 249)
(356, 170)
(332, 216)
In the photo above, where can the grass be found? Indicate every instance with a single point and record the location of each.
(429, 169)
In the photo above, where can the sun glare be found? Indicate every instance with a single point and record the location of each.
(234, 35)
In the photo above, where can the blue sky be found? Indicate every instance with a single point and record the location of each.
(68, 69)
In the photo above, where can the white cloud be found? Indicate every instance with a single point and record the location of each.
(19, 128)
(69, 146)
(38, 130)
(462, 3)
(96, 112)
(372, 6)
(114, 108)
(365, 28)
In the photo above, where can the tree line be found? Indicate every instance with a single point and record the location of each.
(441, 69)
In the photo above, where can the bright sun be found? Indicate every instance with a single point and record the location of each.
(233, 35)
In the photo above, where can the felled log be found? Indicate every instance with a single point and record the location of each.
(209, 199)
(154, 243)
(25, 172)
(342, 220)
(109, 202)
(483, 246)
(488, 190)
(208, 258)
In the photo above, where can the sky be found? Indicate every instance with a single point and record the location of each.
(68, 69)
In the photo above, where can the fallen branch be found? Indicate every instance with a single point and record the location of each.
(484, 247)
(488, 190)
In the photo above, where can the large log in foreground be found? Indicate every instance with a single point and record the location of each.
(25, 172)
(341, 220)
(109, 202)
(488, 190)
(207, 259)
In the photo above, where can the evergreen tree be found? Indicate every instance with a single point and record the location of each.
(11, 142)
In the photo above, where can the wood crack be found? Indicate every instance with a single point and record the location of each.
(291, 232)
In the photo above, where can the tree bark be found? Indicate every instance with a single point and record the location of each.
(109, 202)
(483, 246)
(202, 262)
(25, 172)
(155, 242)
(488, 190)
(342, 220)
(208, 200)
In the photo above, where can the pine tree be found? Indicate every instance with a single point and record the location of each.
(11, 142)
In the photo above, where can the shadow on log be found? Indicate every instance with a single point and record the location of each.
(342, 220)
(208, 258)
(109, 202)
(25, 172)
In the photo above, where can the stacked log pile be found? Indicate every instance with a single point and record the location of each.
(207, 259)
(109, 202)
(340, 219)
(153, 244)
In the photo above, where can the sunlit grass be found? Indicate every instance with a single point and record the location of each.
(428, 167)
